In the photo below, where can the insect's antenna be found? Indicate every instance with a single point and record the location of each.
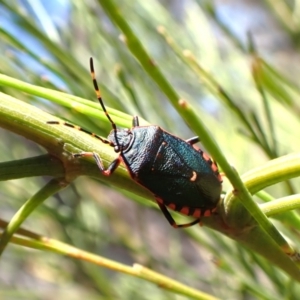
(101, 101)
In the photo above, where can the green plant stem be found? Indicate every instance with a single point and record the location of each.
(52, 187)
(266, 104)
(281, 205)
(44, 243)
(282, 212)
(78, 104)
(274, 171)
(43, 165)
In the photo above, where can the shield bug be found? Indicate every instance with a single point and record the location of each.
(180, 176)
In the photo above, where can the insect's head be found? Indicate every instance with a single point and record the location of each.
(121, 139)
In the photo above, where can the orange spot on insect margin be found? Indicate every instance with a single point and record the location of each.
(220, 177)
(172, 206)
(207, 213)
(214, 167)
(185, 210)
(197, 148)
(205, 156)
(197, 213)
(159, 201)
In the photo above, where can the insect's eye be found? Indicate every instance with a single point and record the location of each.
(116, 148)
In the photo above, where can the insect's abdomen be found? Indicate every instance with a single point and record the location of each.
(180, 176)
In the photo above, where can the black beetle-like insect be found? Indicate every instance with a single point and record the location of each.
(179, 175)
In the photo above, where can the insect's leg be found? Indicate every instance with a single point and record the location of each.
(193, 140)
(110, 169)
(171, 220)
(135, 121)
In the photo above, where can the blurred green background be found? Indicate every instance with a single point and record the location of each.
(49, 44)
